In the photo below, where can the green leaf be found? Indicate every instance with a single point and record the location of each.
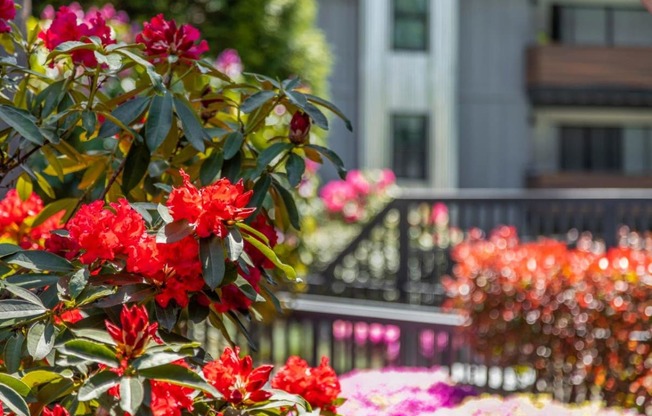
(269, 154)
(264, 78)
(158, 358)
(90, 350)
(174, 231)
(40, 260)
(332, 107)
(333, 157)
(269, 253)
(164, 213)
(260, 190)
(50, 97)
(23, 122)
(13, 308)
(167, 317)
(65, 204)
(40, 339)
(97, 385)
(290, 205)
(194, 131)
(211, 254)
(248, 290)
(32, 281)
(39, 377)
(55, 390)
(99, 335)
(181, 376)
(135, 166)
(159, 121)
(256, 100)
(211, 167)
(78, 282)
(296, 98)
(126, 113)
(13, 352)
(13, 401)
(131, 394)
(24, 294)
(232, 144)
(316, 115)
(157, 80)
(234, 244)
(16, 384)
(89, 121)
(9, 249)
(262, 237)
(24, 186)
(295, 166)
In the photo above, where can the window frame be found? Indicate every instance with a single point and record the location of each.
(423, 17)
(425, 120)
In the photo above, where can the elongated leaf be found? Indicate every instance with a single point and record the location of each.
(9, 249)
(234, 244)
(332, 107)
(126, 113)
(250, 230)
(290, 205)
(155, 359)
(24, 294)
(269, 253)
(39, 377)
(194, 131)
(55, 390)
(269, 154)
(97, 385)
(295, 166)
(256, 100)
(13, 352)
(316, 115)
(40, 260)
(99, 335)
(32, 281)
(174, 231)
(23, 122)
(159, 121)
(13, 401)
(78, 282)
(260, 190)
(211, 167)
(296, 98)
(65, 204)
(90, 350)
(167, 317)
(135, 167)
(131, 394)
(263, 78)
(14, 308)
(156, 78)
(232, 144)
(181, 376)
(211, 253)
(24, 186)
(16, 384)
(333, 157)
(40, 339)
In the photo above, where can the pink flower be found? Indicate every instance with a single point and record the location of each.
(358, 182)
(229, 62)
(7, 12)
(336, 195)
(387, 178)
(162, 38)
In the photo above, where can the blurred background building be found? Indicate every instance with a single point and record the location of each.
(494, 93)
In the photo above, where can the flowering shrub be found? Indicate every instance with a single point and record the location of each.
(400, 391)
(568, 312)
(163, 208)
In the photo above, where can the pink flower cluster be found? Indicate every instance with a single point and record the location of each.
(349, 198)
(229, 62)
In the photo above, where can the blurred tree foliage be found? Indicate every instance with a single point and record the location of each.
(274, 37)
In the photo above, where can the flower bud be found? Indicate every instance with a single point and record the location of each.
(299, 127)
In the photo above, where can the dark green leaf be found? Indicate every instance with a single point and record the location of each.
(13, 352)
(289, 84)
(32, 281)
(93, 293)
(97, 385)
(295, 166)
(40, 339)
(211, 254)
(234, 244)
(256, 100)
(8, 249)
(317, 116)
(174, 231)
(232, 144)
(16, 384)
(89, 121)
(13, 401)
(260, 190)
(78, 282)
(331, 107)
(248, 290)
(333, 157)
(40, 260)
(290, 205)
(13, 308)
(135, 167)
(50, 97)
(127, 294)
(167, 317)
(263, 78)
(231, 168)
(23, 122)
(90, 350)
(297, 98)
(211, 167)
(197, 312)
(194, 131)
(55, 390)
(269, 154)
(64, 204)
(159, 121)
(181, 376)
(24, 294)
(131, 394)
(126, 113)
(158, 358)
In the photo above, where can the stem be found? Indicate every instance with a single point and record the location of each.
(114, 177)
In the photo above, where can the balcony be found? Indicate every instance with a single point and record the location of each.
(590, 76)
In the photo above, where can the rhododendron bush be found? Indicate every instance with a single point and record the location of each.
(580, 317)
(137, 207)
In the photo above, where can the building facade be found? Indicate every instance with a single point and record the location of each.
(495, 93)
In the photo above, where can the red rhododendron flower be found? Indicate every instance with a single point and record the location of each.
(211, 208)
(236, 378)
(16, 216)
(7, 12)
(65, 27)
(299, 127)
(162, 38)
(232, 298)
(70, 316)
(170, 399)
(319, 386)
(57, 410)
(134, 333)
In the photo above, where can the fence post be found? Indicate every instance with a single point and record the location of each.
(404, 251)
(609, 223)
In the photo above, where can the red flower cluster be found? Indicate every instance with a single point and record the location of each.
(15, 217)
(162, 38)
(543, 304)
(211, 208)
(134, 332)
(65, 27)
(236, 378)
(170, 399)
(57, 410)
(319, 386)
(7, 12)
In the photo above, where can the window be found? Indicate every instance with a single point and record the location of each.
(601, 25)
(410, 146)
(410, 24)
(591, 149)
